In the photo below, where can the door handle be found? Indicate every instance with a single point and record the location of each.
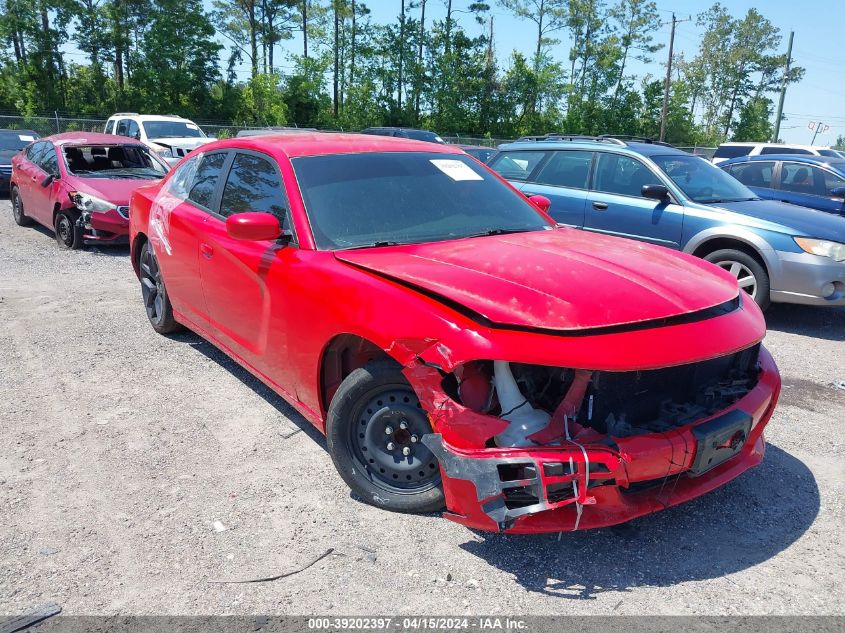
(600, 206)
(206, 251)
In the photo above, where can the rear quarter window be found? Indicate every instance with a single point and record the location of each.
(516, 165)
(732, 151)
(785, 150)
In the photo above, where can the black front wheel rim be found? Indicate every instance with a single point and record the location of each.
(152, 287)
(64, 228)
(386, 441)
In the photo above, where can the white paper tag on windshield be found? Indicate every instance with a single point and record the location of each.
(26, 137)
(456, 170)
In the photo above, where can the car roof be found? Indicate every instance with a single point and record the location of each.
(318, 143)
(89, 138)
(605, 144)
(19, 132)
(831, 161)
(149, 117)
(764, 144)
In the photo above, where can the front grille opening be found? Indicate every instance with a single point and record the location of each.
(517, 472)
(519, 497)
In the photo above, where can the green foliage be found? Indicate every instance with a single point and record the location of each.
(755, 121)
(164, 56)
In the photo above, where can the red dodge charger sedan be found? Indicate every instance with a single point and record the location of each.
(78, 184)
(458, 349)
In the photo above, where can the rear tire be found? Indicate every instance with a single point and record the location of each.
(750, 274)
(69, 234)
(373, 432)
(18, 214)
(156, 302)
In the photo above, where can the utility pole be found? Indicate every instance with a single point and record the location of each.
(665, 111)
(783, 87)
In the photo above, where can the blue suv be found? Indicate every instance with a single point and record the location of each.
(656, 193)
(817, 182)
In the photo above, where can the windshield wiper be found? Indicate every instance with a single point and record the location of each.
(372, 245)
(498, 232)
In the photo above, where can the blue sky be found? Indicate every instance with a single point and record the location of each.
(818, 30)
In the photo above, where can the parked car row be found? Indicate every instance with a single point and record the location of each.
(656, 193)
(726, 151)
(538, 377)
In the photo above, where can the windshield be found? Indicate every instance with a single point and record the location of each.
(702, 181)
(172, 129)
(113, 161)
(11, 144)
(378, 199)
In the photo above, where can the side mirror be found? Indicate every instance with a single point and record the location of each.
(49, 179)
(137, 135)
(252, 226)
(838, 192)
(542, 202)
(655, 192)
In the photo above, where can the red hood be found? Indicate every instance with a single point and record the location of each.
(115, 190)
(562, 279)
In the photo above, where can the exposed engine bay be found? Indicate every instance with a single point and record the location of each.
(545, 405)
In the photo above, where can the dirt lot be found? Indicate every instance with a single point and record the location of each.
(120, 449)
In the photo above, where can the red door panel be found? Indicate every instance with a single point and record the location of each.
(175, 230)
(246, 306)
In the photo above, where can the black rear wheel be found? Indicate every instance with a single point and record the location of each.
(17, 208)
(374, 427)
(156, 302)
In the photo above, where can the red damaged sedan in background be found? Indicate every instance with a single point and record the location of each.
(78, 184)
(456, 347)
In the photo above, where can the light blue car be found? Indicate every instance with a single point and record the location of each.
(656, 193)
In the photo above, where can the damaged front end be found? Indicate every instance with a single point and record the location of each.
(535, 448)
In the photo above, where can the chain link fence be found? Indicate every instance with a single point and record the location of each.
(47, 125)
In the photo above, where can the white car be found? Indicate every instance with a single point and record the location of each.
(171, 137)
(726, 151)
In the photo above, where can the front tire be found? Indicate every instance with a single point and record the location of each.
(750, 274)
(69, 234)
(156, 302)
(18, 214)
(374, 426)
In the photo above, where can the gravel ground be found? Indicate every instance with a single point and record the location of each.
(121, 450)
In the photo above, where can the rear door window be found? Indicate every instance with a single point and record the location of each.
(785, 150)
(732, 151)
(753, 174)
(205, 180)
(517, 165)
(566, 169)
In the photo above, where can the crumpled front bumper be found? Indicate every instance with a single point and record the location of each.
(571, 487)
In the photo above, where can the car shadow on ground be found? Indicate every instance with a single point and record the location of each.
(816, 321)
(271, 397)
(733, 528)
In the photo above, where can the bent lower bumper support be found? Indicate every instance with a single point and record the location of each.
(570, 486)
